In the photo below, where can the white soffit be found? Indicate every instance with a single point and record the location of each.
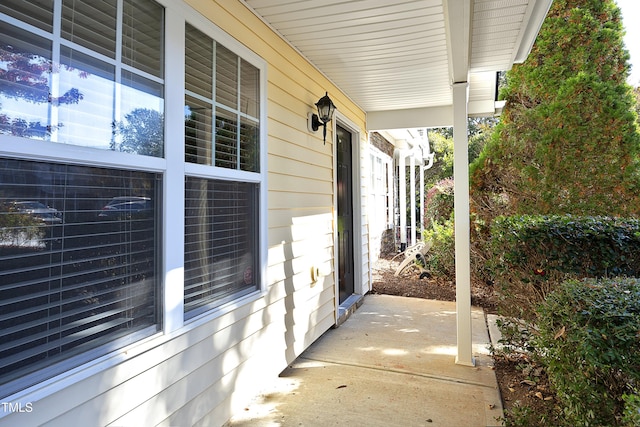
(404, 54)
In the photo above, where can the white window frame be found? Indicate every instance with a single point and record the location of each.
(176, 302)
(380, 183)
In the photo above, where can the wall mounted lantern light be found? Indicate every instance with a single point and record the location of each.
(324, 116)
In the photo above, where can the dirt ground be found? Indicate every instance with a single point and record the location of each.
(409, 284)
(521, 383)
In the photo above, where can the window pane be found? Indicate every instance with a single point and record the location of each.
(198, 63)
(249, 90)
(226, 77)
(198, 131)
(143, 36)
(86, 100)
(91, 24)
(226, 139)
(221, 242)
(78, 264)
(141, 130)
(249, 145)
(38, 13)
(24, 83)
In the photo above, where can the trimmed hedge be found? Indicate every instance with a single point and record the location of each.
(531, 255)
(589, 342)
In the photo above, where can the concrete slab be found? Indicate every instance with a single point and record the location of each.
(391, 364)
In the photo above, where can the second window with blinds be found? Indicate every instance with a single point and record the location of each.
(222, 186)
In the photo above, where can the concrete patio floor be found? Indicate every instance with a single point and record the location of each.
(392, 363)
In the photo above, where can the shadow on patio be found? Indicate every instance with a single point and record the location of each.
(390, 364)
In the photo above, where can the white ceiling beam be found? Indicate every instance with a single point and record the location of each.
(482, 108)
(431, 117)
(458, 18)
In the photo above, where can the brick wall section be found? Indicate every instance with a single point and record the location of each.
(381, 143)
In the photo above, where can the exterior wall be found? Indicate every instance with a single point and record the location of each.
(380, 195)
(201, 372)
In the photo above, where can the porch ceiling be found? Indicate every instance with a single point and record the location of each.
(405, 54)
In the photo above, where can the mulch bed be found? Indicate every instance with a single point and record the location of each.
(409, 284)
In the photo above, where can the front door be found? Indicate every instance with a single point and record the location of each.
(345, 213)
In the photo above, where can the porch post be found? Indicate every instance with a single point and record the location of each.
(412, 198)
(402, 198)
(421, 204)
(462, 235)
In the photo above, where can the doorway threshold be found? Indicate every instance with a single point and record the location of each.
(348, 307)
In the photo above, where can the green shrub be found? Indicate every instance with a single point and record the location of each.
(439, 203)
(631, 415)
(439, 228)
(531, 255)
(441, 257)
(589, 342)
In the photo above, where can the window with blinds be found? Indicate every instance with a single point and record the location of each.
(79, 244)
(38, 13)
(78, 264)
(222, 105)
(116, 90)
(222, 129)
(221, 242)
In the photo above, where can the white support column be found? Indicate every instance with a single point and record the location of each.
(412, 198)
(402, 196)
(421, 204)
(390, 195)
(462, 233)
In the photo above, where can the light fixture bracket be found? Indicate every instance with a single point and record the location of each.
(314, 122)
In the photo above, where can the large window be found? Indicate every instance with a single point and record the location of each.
(80, 241)
(78, 85)
(94, 205)
(78, 262)
(222, 134)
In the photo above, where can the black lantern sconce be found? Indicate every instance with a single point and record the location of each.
(324, 116)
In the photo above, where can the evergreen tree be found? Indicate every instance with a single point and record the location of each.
(567, 141)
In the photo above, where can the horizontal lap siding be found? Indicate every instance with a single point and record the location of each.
(200, 377)
(207, 353)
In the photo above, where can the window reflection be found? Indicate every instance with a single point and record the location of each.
(87, 85)
(78, 261)
(198, 131)
(141, 127)
(25, 72)
(89, 98)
